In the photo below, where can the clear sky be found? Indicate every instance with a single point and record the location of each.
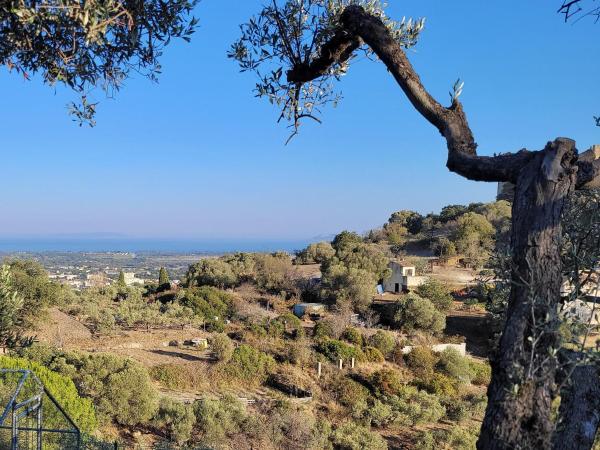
(198, 156)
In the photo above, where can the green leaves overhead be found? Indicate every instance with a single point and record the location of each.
(91, 43)
(293, 34)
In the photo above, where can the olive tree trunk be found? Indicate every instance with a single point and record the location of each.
(522, 389)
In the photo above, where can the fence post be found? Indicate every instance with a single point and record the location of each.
(352, 363)
(319, 370)
(341, 364)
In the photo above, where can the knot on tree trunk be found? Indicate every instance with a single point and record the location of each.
(560, 157)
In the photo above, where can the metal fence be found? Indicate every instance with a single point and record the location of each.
(26, 406)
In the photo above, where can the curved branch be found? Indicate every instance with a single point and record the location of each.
(336, 51)
(356, 25)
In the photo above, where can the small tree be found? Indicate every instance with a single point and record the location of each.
(416, 313)
(121, 280)
(437, 293)
(163, 278)
(222, 347)
(211, 272)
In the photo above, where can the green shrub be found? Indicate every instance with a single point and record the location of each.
(386, 382)
(62, 388)
(217, 419)
(286, 323)
(289, 426)
(176, 418)
(323, 330)
(454, 439)
(421, 360)
(416, 313)
(437, 293)
(258, 330)
(477, 404)
(438, 384)
(414, 407)
(459, 438)
(209, 303)
(482, 373)
(127, 394)
(335, 350)
(456, 366)
(119, 387)
(250, 365)
(353, 336)
(383, 341)
(457, 410)
(297, 352)
(381, 414)
(373, 355)
(171, 376)
(222, 347)
(425, 441)
(348, 392)
(352, 436)
(211, 272)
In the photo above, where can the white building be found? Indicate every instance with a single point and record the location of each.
(403, 278)
(131, 279)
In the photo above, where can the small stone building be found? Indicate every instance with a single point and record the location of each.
(403, 278)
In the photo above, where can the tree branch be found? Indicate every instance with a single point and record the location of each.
(356, 25)
(336, 51)
(588, 175)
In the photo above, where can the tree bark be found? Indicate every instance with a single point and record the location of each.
(579, 412)
(522, 389)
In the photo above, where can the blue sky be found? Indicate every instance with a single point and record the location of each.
(198, 156)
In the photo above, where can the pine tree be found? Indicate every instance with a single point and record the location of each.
(121, 281)
(163, 277)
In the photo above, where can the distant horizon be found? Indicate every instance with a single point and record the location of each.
(150, 245)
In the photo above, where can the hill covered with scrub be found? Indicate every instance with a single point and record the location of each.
(220, 361)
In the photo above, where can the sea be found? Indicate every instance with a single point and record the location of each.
(147, 245)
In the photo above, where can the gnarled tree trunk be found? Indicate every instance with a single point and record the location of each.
(523, 377)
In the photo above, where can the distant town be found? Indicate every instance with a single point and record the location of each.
(82, 270)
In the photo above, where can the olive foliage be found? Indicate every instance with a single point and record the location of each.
(91, 43)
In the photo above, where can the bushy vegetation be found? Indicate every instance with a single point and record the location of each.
(222, 348)
(250, 365)
(178, 419)
(243, 305)
(454, 365)
(352, 436)
(212, 304)
(62, 388)
(416, 313)
(119, 387)
(382, 341)
(335, 350)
